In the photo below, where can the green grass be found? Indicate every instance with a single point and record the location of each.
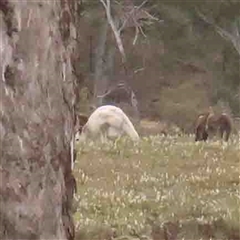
(161, 188)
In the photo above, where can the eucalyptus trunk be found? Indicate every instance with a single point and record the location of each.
(37, 119)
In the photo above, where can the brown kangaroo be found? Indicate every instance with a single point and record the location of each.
(200, 127)
(219, 123)
(211, 123)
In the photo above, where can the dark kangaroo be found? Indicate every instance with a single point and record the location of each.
(200, 127)
(219, 123)
(211, 123)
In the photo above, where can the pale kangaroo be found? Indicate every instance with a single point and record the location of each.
(107, 122)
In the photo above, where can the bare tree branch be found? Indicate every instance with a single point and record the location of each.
(131, 16)
(137, 25)
(136, 35)
(232, 37)
(114, 28)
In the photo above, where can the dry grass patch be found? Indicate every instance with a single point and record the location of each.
(127, 190)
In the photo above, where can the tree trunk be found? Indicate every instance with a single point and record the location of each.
(36, 119)
(100, 78)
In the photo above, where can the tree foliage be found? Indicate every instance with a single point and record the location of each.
(193, 41)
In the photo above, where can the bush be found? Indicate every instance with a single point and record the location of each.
(182, 104)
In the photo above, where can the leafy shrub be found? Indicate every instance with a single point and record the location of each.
(182, 104)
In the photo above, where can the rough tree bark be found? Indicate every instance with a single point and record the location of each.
(36, 119)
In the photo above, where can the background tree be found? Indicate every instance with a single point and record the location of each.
(178, 65)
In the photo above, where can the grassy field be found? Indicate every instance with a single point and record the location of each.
(163, 188)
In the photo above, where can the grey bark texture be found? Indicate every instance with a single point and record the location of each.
(38, 96)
